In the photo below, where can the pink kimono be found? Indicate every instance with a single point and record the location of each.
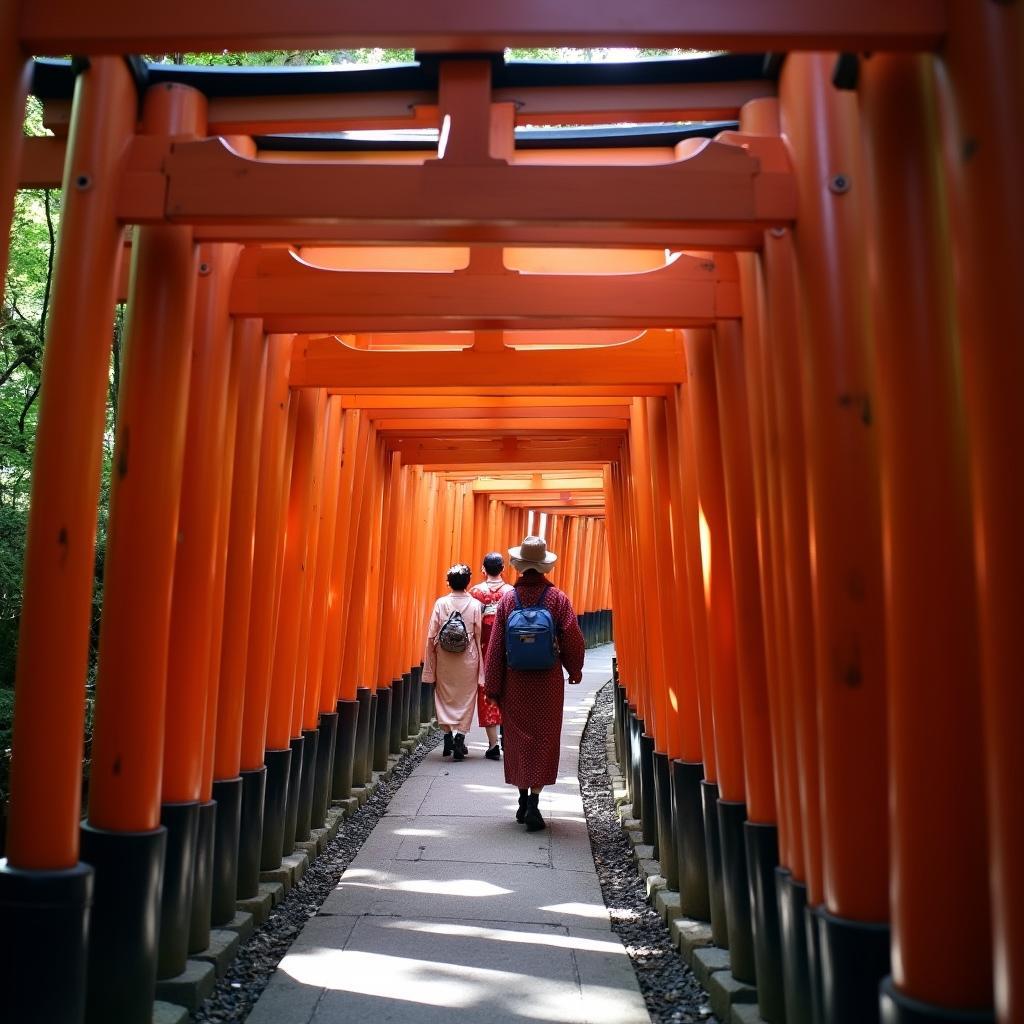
(457, 675)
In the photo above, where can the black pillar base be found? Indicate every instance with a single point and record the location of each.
(181, 822)
(626, 760)
(124, 923)
(202, 880)
(897, 1008)
(796, 968)
(623, 739)
(667, 855)
(636, 728)
(713, 844)
(648, 806)
(43, 943)
(854, 960)
(291, 811)
(324, 776)
(616, 714)
(415, 701)
(279, 763)
(227, 794)
(731, 816)
(691, 848)
(371, 740)
(310, 746)
(250, 832)
(407, 726)
(426, 702)
(397, 728)
(762, 845)
(364, 698)
(382, 730)
(344, 749)
(813, 933)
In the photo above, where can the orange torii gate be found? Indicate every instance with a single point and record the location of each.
(823, 503)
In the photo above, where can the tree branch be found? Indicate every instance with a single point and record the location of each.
(29, 402)
(47, 194)
(6, 375)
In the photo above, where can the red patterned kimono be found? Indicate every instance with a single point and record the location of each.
(531, 702)
(488, 594)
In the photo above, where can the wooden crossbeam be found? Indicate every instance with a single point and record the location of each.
(451, 427)
(655, 359)
(738, 181)
(293, 296)
(124, 26)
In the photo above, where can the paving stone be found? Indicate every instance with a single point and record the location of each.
(284, 875)
(708, 961)
(725, 990)
(335, 816)
(745, 1013)
(348, 806)
(650, 872)
(309, 847)
(258, 906)
(242, 924)
(689, 935)
(276, 891)
(641, 851)
(190, 987)
(320, 837)
(666, 902)
(299, 864)
(221, 950)
(168, 1013)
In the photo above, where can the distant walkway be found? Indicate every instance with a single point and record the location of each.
(452, 907)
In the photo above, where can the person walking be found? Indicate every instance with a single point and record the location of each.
(452, 659)
(535, 635)
(489, 593)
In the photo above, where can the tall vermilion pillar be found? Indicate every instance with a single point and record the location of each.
(653, 741)
(271, 495)
(325, 722)
(46, 770)
(222, 781)
(249, 355)
(680, 699)
(300, 797)
(802, 884)
(687, 769)
(981, 78)
(760, 832)
(820, 126)
(192, 606)
(730, 811)
(935, 721)
(123, 837)
(284, 749)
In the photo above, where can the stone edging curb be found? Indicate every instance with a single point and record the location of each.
(734, 1002)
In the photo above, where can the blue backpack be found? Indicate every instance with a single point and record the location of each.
(530, 640)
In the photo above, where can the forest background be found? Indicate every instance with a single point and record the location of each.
(23, 315)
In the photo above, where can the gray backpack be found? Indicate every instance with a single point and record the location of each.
(453, 635)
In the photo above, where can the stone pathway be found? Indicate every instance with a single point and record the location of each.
(452, 911)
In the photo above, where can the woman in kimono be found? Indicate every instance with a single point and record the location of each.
(489, 593)
(531, 700)
(452, 659)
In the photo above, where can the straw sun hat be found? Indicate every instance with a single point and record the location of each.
(532, 554)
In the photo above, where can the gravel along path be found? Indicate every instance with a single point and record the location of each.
(672, 993)
(236, 993)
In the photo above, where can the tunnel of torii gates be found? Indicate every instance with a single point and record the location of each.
(752, 356)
